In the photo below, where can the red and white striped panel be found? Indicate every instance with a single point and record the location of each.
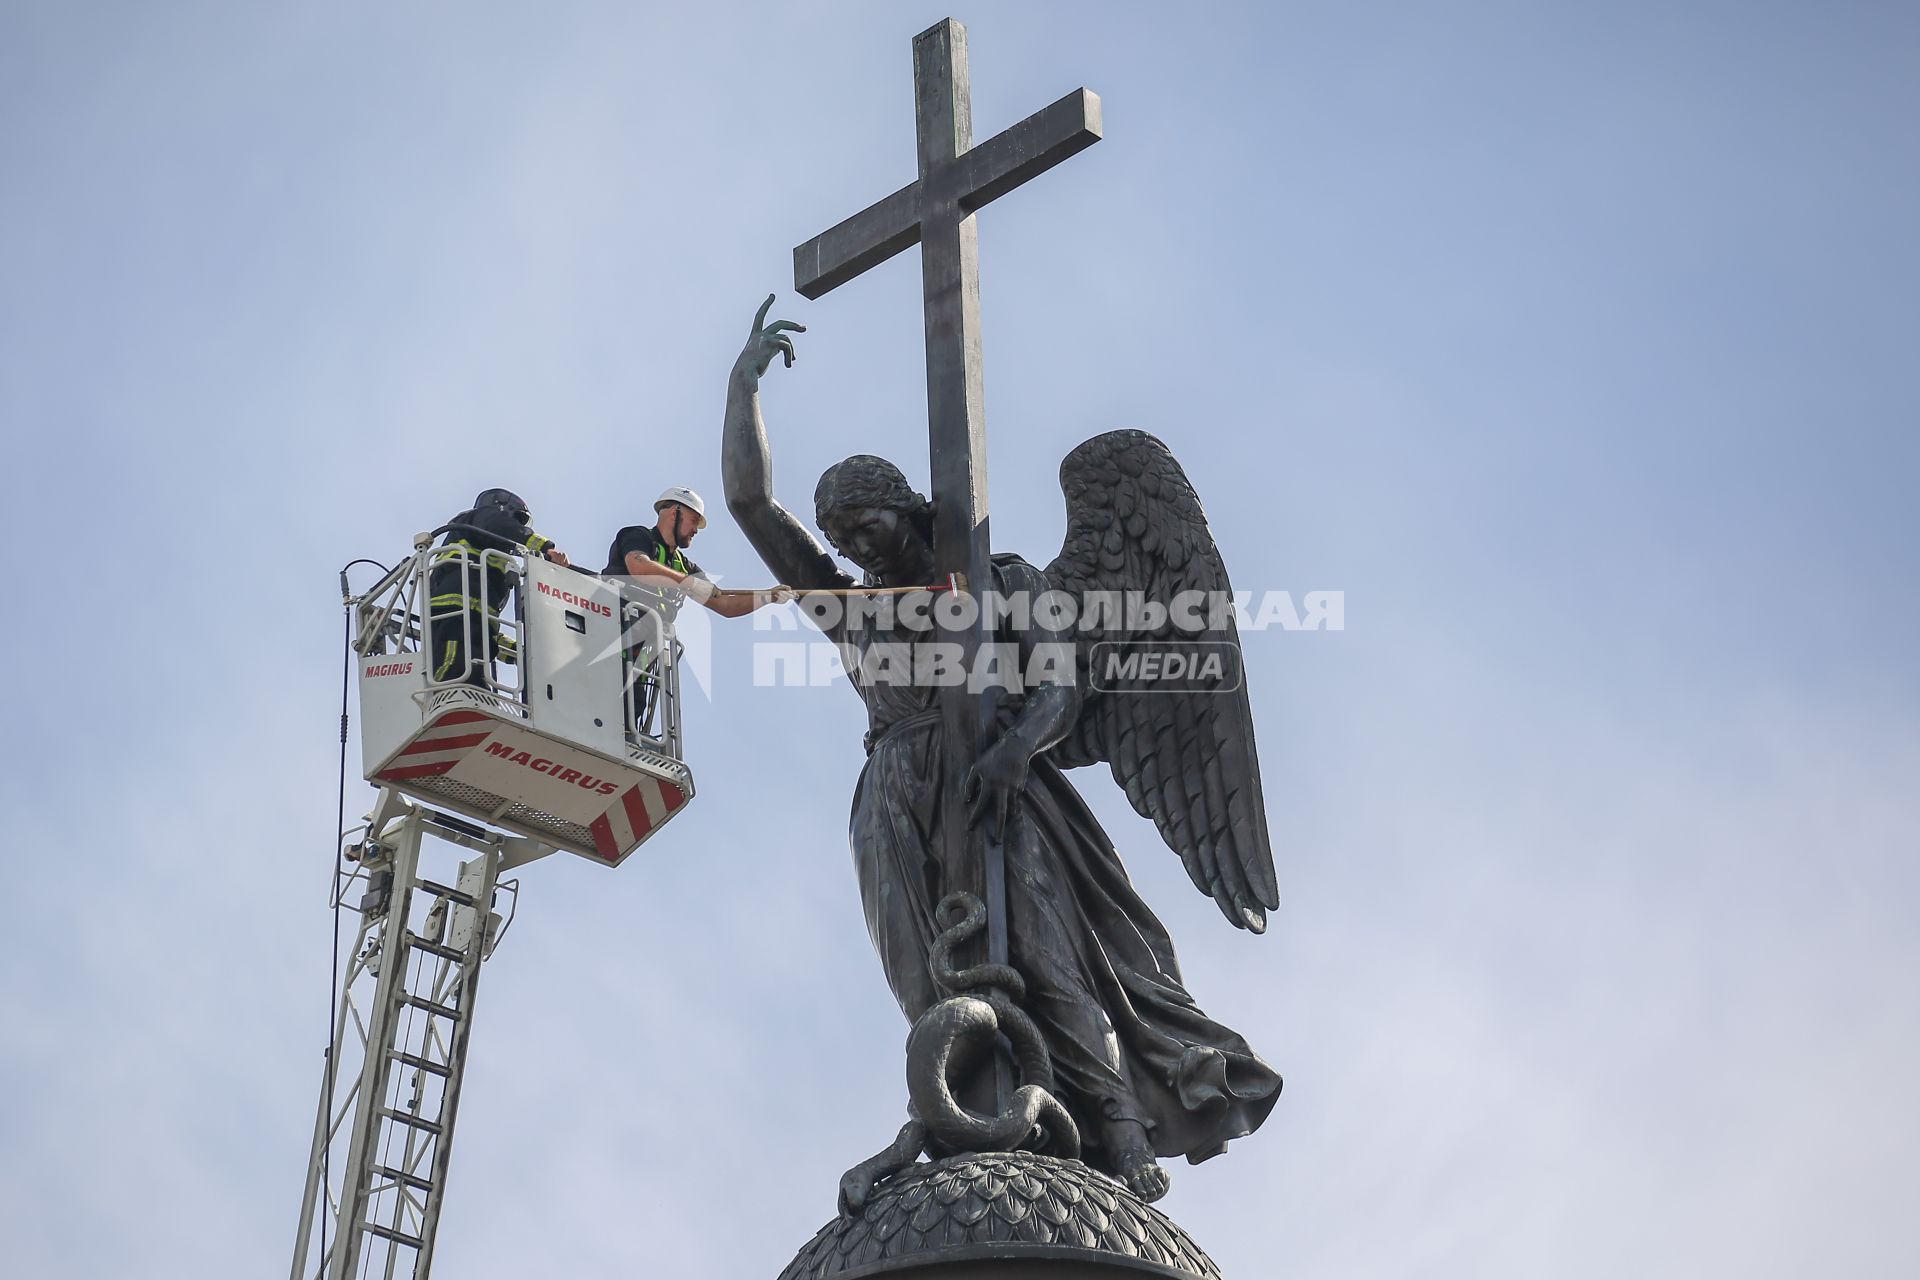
(642, 807)
(440, 746)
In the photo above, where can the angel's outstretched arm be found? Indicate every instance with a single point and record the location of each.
(746, 466)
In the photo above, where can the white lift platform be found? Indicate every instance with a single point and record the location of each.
(554, 755)
(574, 746)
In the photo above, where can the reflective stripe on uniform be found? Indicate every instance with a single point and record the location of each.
(449, 554)
(458, 600)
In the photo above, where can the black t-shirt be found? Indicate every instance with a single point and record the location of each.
(646, 539)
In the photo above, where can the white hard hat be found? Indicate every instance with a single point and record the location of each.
(686, 498)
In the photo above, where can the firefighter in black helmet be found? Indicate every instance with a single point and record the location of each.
(466, 588)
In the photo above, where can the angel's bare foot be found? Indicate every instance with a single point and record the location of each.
(1142, 1173)
(1133, 1160)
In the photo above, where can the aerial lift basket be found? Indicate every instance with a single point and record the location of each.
(574, 740)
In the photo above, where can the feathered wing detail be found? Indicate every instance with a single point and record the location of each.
(1185, 757)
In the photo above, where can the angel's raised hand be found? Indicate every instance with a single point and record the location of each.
(767, 341)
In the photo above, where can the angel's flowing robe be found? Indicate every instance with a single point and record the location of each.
(1103, 985)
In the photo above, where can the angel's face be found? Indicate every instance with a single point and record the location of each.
(883, 542)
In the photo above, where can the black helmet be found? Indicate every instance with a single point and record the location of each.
(502, 498)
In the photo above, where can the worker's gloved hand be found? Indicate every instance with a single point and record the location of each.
(783, 594)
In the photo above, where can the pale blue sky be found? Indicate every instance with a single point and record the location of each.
(1573, 342)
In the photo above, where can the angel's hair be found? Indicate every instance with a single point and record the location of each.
(866, 481)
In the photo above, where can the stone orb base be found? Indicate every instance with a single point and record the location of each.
(1003, 1216)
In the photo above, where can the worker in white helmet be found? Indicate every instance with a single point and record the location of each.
(655, 558)
(652, 563)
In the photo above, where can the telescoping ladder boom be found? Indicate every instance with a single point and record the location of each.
(383, 1136)
(576, 747)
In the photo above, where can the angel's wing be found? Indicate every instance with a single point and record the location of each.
(1183, 753)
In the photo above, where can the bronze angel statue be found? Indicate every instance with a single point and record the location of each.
(1142, 1071)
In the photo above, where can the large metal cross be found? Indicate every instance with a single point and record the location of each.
(936, 212)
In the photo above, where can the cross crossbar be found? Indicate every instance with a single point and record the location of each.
(976, 178)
